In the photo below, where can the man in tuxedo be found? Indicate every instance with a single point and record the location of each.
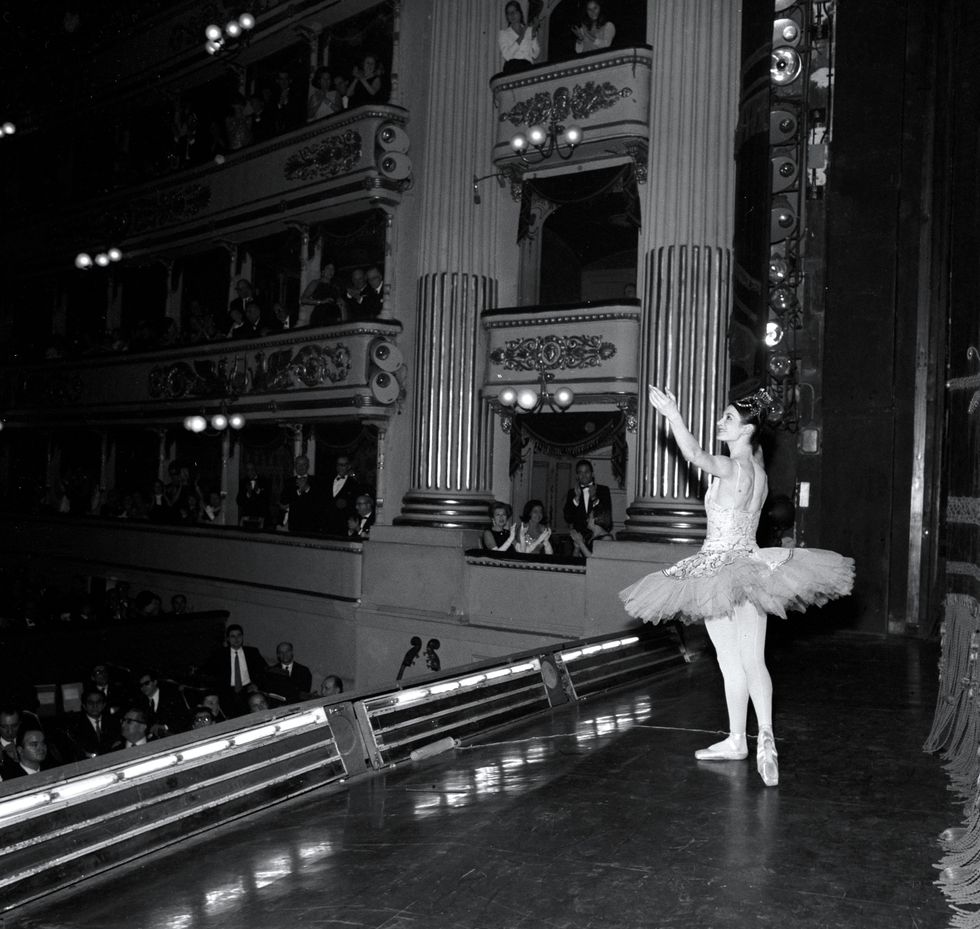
(253, 499)
(165, 705)
(94, 730)
(246, 295)
(373, 295)
(236, 668)
(301, 499)
(588, 509)
(359, 523)
(344, 491)
(116, 694)
(135, 729)
(287, 677)
(32, 755)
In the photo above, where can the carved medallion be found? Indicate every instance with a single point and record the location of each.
(551, 352)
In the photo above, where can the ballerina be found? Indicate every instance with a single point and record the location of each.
(731, 584)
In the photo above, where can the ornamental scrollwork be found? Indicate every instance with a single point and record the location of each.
(336, 154)
(550, 352)
(53, 389)
(311, 366)
(165, 208)
(581, 102)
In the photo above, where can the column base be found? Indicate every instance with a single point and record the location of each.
(445, 511)
(665, 521)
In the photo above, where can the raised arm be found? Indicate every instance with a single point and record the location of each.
(665, 403)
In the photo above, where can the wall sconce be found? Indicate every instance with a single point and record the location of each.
(532, 400)
(501, 180)
(546, 142)
(218, 422)
(85, 262)
(233, 29)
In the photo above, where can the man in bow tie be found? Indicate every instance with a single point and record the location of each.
(588, 509)
(287, 677)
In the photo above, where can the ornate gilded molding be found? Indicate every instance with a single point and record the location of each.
(336, 154)
(289, 369)
(161, 209)
(550, 352)
(580, 103)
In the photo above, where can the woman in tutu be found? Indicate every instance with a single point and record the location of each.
(731, 583)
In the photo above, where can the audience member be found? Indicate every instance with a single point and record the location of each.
(134, 729)
(500, 536)
(533, 534)
(331, 686)
(113, 690)
(10, 723)
(237, 321)
(324, 298)
(342, 85)
(160, 510)
(94, 730)
(281, 319)
(147, 605)
(236, 668)
(595, 32)
(212, 701)
(252, 325)
(343, 493)
(324, 99)
(360, 523)
(368, 84)
(262, 121)
(245, 295)
(164, 704)
(202, 718)
(32, 755)
(237, 125)
(253, 499)
(257, 702)
(373, 298)
(588, 509)
(213, 511)
(290, 104)
(287, 677)
(301, 499)
(518, 42)
(178, 605)
(356, 290)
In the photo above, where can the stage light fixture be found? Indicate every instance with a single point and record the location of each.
(774, 333)
(785, 66)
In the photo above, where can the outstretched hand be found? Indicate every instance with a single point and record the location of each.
(663, 401)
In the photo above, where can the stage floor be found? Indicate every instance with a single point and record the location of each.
(597, 818)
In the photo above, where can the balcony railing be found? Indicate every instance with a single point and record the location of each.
(606, 95)
(330, 371)
(592, 348)
(294, 177)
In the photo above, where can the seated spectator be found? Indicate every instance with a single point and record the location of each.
(178, 605)
(32, 755)
(518, 42)
(213, 702)
(500, 536)
(213, 512)
(373, 299)
(237, 316)
(253, 499)
(134, 726)
(355, 292)
(281, 319)
(323, 296)
(261, 119)
(324, 100)
(189, 510)
(331, 686)
(287, 677)
(533, 534)
(245, 294)
(588, 509)
(301, 499)
(235, 668)
(164, 704)
(94, 730)
(257, 702)
(11, 720)
(252, 326)
(368, 83)
(160, 510)
(595, 32)
(202, 718)
(147, 605)
(113, 688)
(359, 525)
(342, 85)
(289, 103)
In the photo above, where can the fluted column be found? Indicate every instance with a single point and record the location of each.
(686, 252)
(457, 261)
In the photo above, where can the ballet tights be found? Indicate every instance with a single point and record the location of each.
(740, 641)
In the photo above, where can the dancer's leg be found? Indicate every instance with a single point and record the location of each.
(751, 625)
(723, 632)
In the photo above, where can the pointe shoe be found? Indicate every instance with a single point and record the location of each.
(728, 750)
(766, 759)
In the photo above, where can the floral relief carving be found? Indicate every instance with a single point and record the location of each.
(581, 102)
(550, 352)
(164, 209)
(336, 154)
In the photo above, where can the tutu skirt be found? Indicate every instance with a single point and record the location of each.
(713, 583)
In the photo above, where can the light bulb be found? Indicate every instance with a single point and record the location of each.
(536, 135)
(195, 424)
(8, 128)
(114, 254)
(102, 260)
(83, 261)
(573, 135)
(519, 142)
(233, 29)
(213, 32)
(774, 333)
(246, 21)
(527, 399)
(212, 47)
(219, 421)
(507, 397)
(236, 421)
(564, 398)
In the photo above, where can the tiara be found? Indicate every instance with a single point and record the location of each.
(758, 404)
